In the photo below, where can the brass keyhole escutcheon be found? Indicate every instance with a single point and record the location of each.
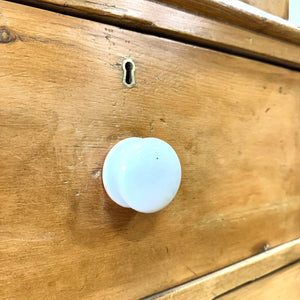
(128, 72)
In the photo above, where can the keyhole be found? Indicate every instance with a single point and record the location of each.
(128, 77)
(128, 67)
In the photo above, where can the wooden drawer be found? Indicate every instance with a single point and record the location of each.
(283, 284)
(232, 121)
(279, 8)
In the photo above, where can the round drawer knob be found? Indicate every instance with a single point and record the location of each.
(142, 173)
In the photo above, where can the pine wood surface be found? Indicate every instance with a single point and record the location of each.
(281, 285)
(234, 123)
(209, 23)
(232, 277)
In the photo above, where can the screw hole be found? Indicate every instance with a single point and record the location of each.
(128, 68)
(5, 36)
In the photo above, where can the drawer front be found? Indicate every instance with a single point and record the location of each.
(283, 284)
(232, 121)
(278, 8)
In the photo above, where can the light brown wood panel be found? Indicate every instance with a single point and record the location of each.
(212, 285)
(278, 8)
(158, 19)
(242, 14)
(232, 121)
(281, 285)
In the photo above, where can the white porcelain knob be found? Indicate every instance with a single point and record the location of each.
(142, 173)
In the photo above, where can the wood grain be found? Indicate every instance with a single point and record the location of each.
(242, 14)
(229, 278)
(281, 285)
(233, 122)
(158, 19)
(278, 8)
